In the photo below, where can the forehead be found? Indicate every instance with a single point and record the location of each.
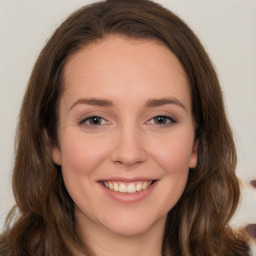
(117, 65)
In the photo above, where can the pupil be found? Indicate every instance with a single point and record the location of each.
(95, 120)
(160, 120)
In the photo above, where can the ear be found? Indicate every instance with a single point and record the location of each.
(56, 154)
(194, 155)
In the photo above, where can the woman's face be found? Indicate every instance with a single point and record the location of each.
(126, 134)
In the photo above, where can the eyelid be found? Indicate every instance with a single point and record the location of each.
(84, 120)
(171, 120)
(87, 118)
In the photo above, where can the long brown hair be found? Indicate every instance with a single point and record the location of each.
(198, 224)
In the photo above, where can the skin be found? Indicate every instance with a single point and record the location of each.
(127, 142)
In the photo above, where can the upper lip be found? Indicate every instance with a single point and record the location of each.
(128, 179)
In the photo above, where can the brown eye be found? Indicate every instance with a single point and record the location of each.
(160, 120)
(94, 121)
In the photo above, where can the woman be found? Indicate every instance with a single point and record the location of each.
(123, 145)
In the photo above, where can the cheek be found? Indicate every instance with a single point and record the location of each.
(173, 156)
(81, 156)
(83, 151)
(174, 153)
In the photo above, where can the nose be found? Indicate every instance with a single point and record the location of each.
(129, 149)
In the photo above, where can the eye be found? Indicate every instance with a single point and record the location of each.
(94, 121)
(161, 120)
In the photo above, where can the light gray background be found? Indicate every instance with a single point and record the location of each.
(227, 29)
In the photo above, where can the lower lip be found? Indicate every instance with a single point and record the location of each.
(128, 198)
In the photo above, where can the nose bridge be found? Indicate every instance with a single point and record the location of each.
(129, 147)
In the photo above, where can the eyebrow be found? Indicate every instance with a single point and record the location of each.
(165, 101)
(109, 103)
(94, 102)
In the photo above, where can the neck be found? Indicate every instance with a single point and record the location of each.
(104, 242)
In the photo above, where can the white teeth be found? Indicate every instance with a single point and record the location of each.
(122, 188)
(145, 185)
(116, 187)
(131, 187)
(139, 187)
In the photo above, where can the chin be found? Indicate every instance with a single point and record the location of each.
(129, 226)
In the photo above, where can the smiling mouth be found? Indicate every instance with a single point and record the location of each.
(127, 187)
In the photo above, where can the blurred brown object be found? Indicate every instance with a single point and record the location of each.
(251, 229)
(253, 183)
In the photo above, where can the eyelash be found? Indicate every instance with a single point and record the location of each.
(167, 119)
(91, 118)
